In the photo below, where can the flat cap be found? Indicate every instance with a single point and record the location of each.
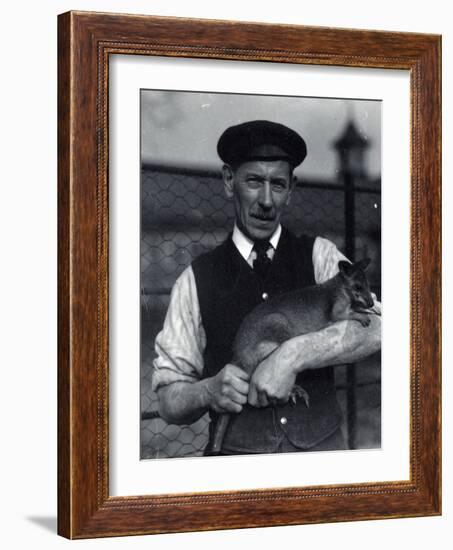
(261, 140)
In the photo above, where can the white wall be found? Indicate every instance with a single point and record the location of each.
(28, 276)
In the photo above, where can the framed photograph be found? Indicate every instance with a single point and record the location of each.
(249, 275)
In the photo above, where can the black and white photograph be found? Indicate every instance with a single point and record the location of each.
(260, 274)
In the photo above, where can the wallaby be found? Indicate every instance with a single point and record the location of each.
(346, 296)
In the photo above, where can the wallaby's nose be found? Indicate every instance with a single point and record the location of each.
(370, 302)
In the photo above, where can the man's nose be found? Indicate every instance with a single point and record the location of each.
(265, 197)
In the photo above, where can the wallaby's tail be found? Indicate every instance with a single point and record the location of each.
(219, 434)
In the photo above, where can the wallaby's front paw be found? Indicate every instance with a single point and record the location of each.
(365, 321)
(298, 392)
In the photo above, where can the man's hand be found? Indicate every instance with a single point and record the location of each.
(227, 391)
(271, 382)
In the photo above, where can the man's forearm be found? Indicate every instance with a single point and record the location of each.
(183, 402)
(343, 342)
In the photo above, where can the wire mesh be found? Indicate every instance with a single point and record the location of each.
(186, 213)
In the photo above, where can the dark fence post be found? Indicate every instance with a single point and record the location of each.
(350, 147)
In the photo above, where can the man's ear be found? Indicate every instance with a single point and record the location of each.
(291, 187)
(228, 180)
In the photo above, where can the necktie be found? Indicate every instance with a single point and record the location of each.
(262, 262)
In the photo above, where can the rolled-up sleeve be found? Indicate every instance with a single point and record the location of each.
(181, 342)
(325, 259)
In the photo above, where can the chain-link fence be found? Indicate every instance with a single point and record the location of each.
(185, 213)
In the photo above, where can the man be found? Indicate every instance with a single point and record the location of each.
(212, 296)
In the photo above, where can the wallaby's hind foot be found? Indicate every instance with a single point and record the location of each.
(299, 392)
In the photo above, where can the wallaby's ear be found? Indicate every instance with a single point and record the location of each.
(363, 264)
(345, 267)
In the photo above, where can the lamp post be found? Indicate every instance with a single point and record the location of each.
(351, 147)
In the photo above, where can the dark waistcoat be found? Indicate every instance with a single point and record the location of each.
(228, 289)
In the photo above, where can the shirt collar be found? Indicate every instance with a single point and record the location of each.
(245, 245)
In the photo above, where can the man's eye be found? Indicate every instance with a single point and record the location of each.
(253, 182)
(279, 185)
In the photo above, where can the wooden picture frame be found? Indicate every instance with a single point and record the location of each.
(85, 41)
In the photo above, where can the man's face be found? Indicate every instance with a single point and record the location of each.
(260, 190)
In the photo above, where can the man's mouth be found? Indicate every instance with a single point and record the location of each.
(263, 217)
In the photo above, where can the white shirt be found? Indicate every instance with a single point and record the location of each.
(181, 342)
(245, 245)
